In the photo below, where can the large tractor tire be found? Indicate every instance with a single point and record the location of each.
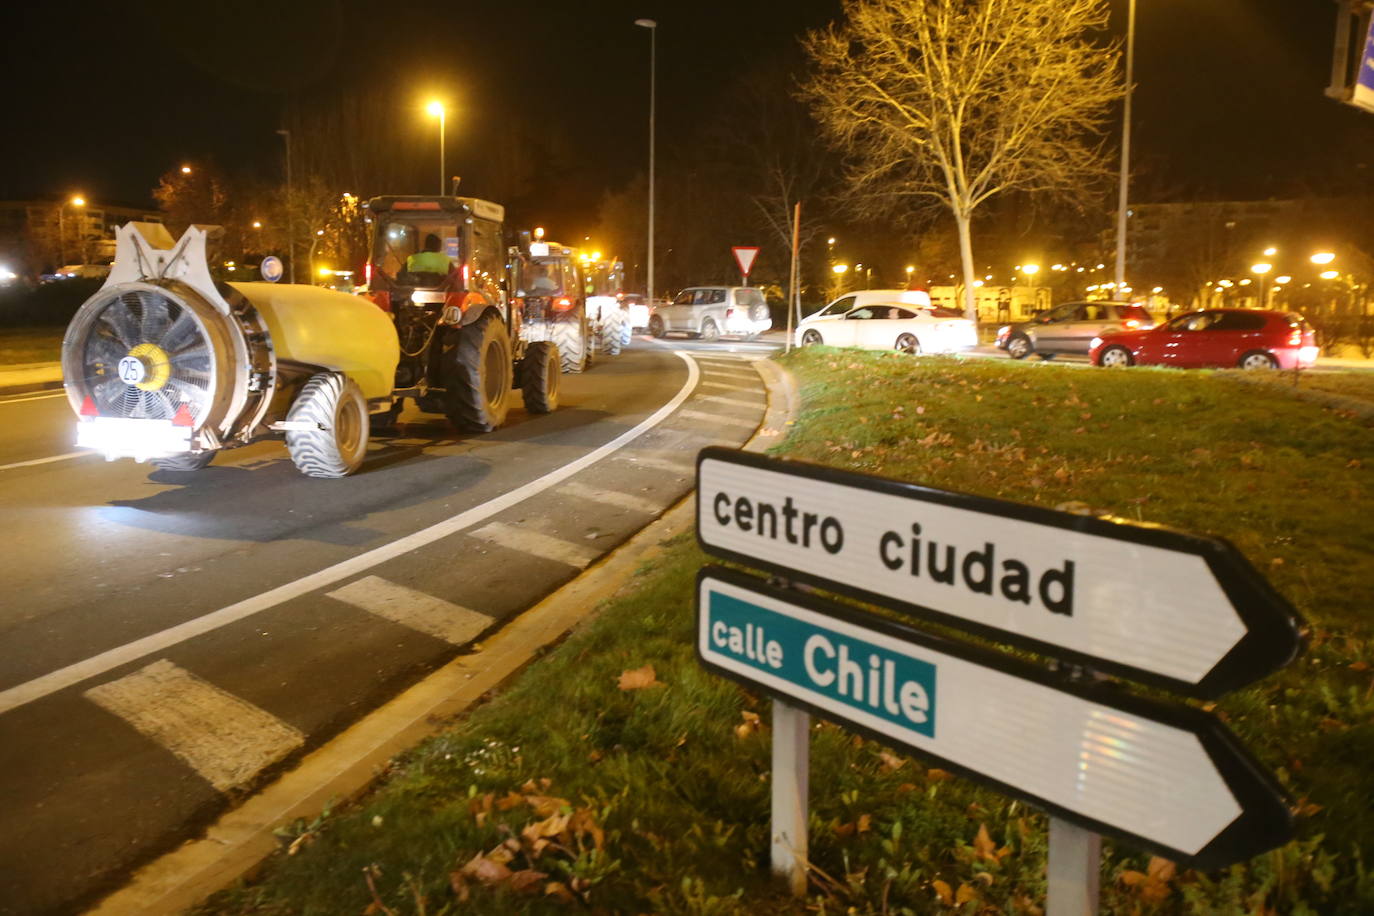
(337, 411)
(625, 330)
(476, 361)
(540, 373)
(611, 334)
(184, 463)
(570, 334)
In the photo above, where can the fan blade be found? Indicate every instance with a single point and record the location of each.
(155, 319)
(119, 317)
(180, 333)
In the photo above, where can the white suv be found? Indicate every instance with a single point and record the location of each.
(709, 312)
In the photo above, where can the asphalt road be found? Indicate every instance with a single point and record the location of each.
(173, 639)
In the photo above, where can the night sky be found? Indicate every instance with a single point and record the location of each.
(104, 100)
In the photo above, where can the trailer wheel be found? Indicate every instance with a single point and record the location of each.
(477, 371)
(570, 334)
(337, 444)
(540, 374)
(184, 462)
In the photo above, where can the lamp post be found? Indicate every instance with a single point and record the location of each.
(290, 211)
(652, 26)
(1261, 270)
(1123, 191)
(436, 109)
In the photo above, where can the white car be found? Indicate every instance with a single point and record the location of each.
(891, 326)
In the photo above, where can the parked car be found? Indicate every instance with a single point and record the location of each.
(1070, 328)
(891, 326)
(709, 312)
(1216, 338)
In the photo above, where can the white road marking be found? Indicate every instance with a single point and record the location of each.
(680, 468)
(713, 372)
(513, 537)
(33, 396)
(737, 402)
(439, 618)
(223, 738)
(728, 387)
(40, 687)
(615, 498)
(717, 418)
(50, 460)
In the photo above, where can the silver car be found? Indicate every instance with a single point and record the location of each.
(1070, 328)
(709, 312)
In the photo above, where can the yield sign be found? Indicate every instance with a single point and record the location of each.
(744, 256)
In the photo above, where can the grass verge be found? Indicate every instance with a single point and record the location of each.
(30, 345)
(596, 783)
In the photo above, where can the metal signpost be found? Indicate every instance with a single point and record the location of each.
(744, 257)
(1102, 761)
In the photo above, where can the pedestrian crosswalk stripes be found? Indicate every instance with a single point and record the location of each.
(734, 402)
(683, 468)
(225, 739)
(420, 611)
(615, 498)
(515, 537)
(727, 386)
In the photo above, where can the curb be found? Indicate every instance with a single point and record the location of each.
(350, 764)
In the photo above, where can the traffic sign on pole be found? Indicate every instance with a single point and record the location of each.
(1159, 606)
(1168, 777)
(744, 257)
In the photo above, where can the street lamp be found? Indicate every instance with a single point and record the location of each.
(652, 26)
(290, 211)
(1322, 257)
(1123, 189)
(436, 110)
(185, 170)
(1261, 269)
(1270, 251)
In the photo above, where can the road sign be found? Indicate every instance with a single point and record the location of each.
(744, 257)
(1170, 778)
(1363, 95)
(270, 268)
(1159, 606)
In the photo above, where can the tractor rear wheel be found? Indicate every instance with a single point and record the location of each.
(476, 363)
(610, 331)
(540, 375)
(336, 443)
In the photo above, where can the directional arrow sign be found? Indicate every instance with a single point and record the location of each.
(1170, 778)
(1159, 606)
(744, 256)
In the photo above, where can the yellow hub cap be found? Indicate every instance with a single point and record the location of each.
(146, 367)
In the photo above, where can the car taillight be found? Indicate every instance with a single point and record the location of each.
(562, 304)
(1295, 338)
(367, 273)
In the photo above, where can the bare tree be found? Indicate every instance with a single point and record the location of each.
(953, 102)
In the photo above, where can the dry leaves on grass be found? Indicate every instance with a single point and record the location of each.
(750, 724)
(1153, 884)
(639, 678)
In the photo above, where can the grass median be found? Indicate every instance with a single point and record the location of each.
(616, 776)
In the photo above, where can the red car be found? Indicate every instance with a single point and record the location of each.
(1214, 338)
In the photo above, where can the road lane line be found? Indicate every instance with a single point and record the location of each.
(77, 672)
(728, 387)
(681, 468)
(611, 498)
(737, 402)
(441, 619)
(225, 739)
(717, 418)
(514, 537)
(50, 460)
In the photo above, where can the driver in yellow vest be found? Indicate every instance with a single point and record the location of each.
(431, 260)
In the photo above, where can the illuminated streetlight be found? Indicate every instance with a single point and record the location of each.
(257, 224)
(1270, 251)
(1323, 257)
(436, 110)
(1245, 282)
(78, 201)
(1226, 284)
(909, 271)
(185, 170)
(1157, 290)
(1261, 269)
(1030, 270)
(830, 241)
(1282, 279)
(539, 232)
(840, 268)
(1330, 274)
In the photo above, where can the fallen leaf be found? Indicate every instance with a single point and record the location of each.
(552, 825)
(938, 775)
(485, 870)
(965, 894)
(639, 678)
(943, 891)
(512, 800)
(560, 890)
(526, 881)
(891, 761)
(983, 844)
(546, 805)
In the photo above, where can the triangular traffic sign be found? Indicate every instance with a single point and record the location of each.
(744, 256)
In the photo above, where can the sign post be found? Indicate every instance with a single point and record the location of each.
(744, 257)
(1162, 607)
